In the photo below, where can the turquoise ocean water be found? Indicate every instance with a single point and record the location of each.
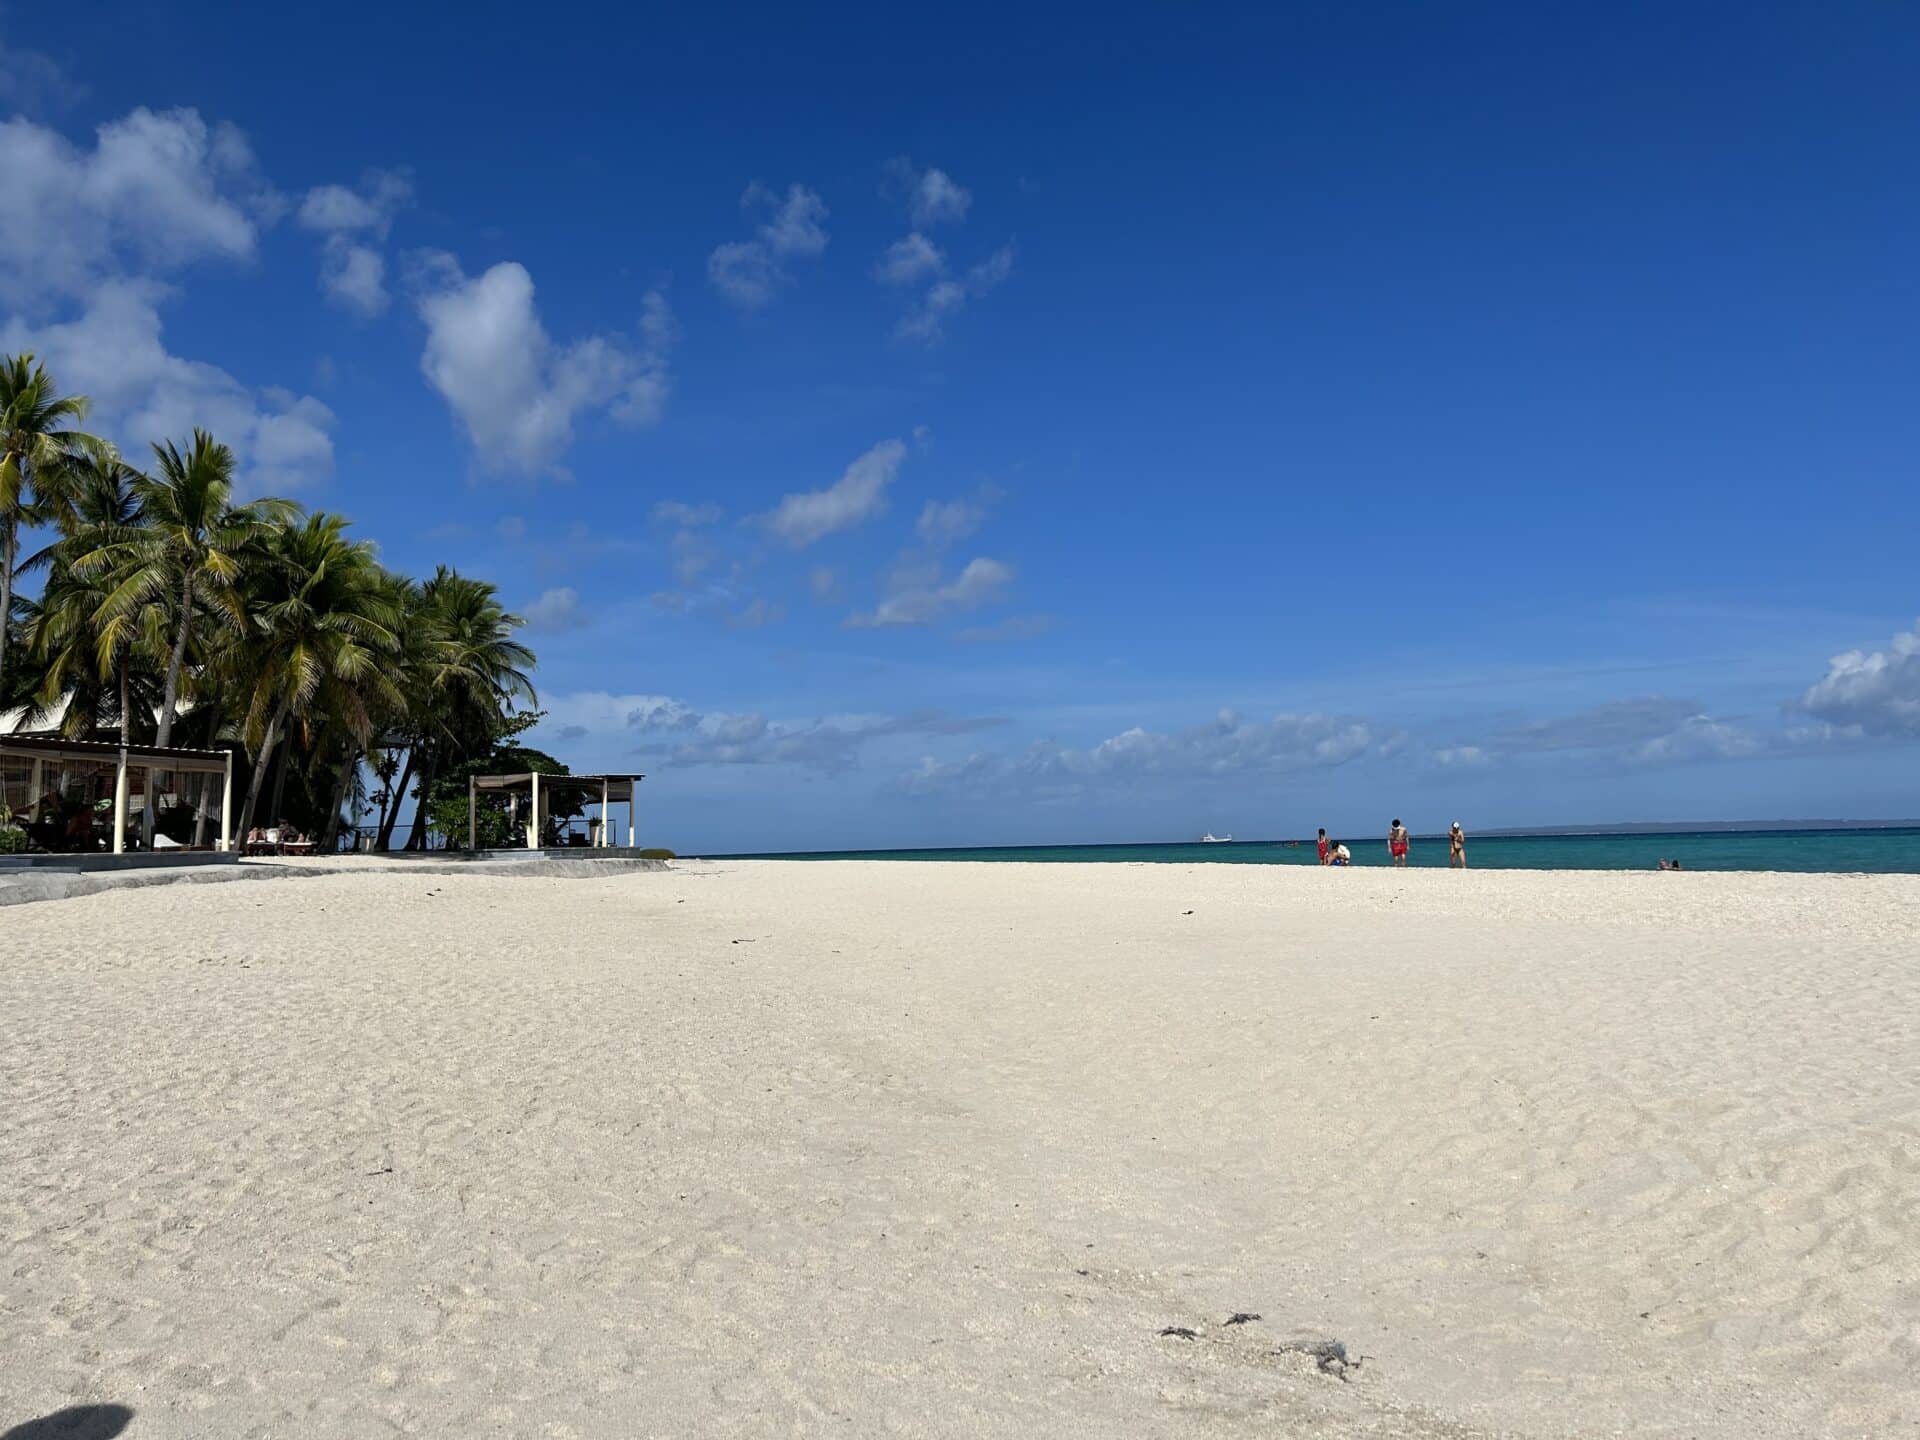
(1891, 851)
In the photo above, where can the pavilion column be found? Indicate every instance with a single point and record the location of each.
(606, 812)
(472, 816)
(33, 790)
(633, 802)
(226, 808)
(533, 815)
(120, 804)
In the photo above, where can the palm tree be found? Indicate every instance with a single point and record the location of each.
(319, 627)
(190, 545)
(472, 671)
(386, 705)
(37, 450)
(91, 661)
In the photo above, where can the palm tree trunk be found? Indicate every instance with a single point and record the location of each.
(8, 539)
(330, 835)
(417, 838)
(394, 800)
(170, 701)
(278, 812)
(260, 768)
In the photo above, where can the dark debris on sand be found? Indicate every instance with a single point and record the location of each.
(1329, 1356)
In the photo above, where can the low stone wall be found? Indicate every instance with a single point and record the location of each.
(23, 885)
(93, 861)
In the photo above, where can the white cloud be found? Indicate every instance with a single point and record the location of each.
(113, 353)
(1228, 747)
(750, 272)
(160, 188)
(372, 207)
(352, 269)
(946, 298)
(85, 235)
(556, 609)
(1646, 730)
(1699, 737)
(909, 260)
(932, 197)
(744, 272)
(802, 519)
(982, 580)
(798, 222)
(1618, 724)
(354, 276)
(830, 744)
(944, 523)
(1873, 693)
(685, 736)
(516, 392)
(600, 712)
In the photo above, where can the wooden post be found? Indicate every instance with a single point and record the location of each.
(33, 790)
(533, 815)
(120, 803)
(472, 815)
(226, 808)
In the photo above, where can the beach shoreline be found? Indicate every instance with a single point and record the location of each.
(943, 1148)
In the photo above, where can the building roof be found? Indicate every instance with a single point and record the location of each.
(615, 783)
(59, 747)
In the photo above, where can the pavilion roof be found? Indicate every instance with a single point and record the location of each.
(59, 747)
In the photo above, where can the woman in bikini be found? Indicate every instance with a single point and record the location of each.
(1456, 848)
(1397, 844)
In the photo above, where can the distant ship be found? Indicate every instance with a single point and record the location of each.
(1212, 839)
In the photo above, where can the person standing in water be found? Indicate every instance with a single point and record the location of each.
(1397, 844)
(1324, 857)
(1456, 848)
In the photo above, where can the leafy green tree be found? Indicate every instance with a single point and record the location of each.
(190, 545)
(38, 446)
(319, 626)
(92, 664)
(444, 809)
(466, 671)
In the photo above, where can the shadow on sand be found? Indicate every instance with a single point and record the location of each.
(79, 1422)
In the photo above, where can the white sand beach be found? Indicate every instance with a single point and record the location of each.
(942, 1149)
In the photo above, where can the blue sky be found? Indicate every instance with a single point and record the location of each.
(1006, 427)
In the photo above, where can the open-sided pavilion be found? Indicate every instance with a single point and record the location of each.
(55, 787)
(540, 791)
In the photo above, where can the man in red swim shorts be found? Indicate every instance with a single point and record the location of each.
(1397, 845)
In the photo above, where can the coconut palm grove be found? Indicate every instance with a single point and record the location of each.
(147, 604)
